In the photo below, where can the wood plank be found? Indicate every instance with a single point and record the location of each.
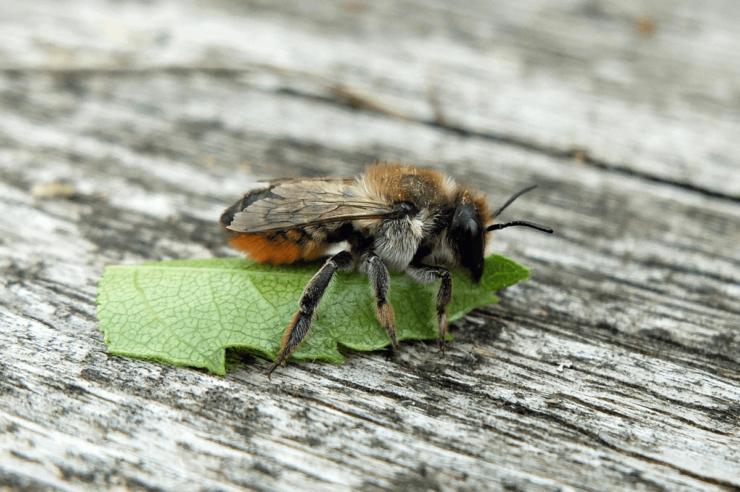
(646, 90)
(618, 361)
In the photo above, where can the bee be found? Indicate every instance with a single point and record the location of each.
(398, 217)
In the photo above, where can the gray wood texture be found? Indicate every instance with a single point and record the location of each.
(126, 127)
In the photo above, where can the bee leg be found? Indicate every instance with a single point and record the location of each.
(377, 273)
(427, 274)
(312, 293)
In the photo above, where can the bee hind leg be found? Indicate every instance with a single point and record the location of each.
(427, 274)
(300, 324)
(377, 274)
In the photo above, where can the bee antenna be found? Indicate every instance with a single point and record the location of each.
(524, 223)
(511, 200)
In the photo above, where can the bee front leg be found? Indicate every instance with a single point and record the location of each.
(312, 293)
(377, 273)
(427, 274)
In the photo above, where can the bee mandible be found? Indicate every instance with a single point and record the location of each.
(394, 216)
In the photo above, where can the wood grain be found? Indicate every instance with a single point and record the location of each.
(578, 79)
(617, 366)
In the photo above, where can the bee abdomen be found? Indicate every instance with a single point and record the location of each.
(279, 247)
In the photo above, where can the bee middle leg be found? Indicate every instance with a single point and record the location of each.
(377, 273)
(427, 274)
(312, 293)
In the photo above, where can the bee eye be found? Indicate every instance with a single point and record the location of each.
(467, 239)
(464, 220)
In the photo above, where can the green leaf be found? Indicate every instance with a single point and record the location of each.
(188, 312)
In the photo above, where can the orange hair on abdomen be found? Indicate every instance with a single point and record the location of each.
(277, 249)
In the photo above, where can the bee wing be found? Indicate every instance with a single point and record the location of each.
(295, 203)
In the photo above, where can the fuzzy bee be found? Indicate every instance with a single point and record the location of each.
(394, 216)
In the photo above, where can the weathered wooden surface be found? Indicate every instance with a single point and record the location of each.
(617, 366)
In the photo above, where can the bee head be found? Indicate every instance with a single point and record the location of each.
(467, 230)
(467, 236)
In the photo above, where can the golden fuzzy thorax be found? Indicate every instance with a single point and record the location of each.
(399, 183)
(424, 187)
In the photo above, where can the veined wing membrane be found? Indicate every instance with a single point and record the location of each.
(296, 203)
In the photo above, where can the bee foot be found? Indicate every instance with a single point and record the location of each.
(441, 345)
